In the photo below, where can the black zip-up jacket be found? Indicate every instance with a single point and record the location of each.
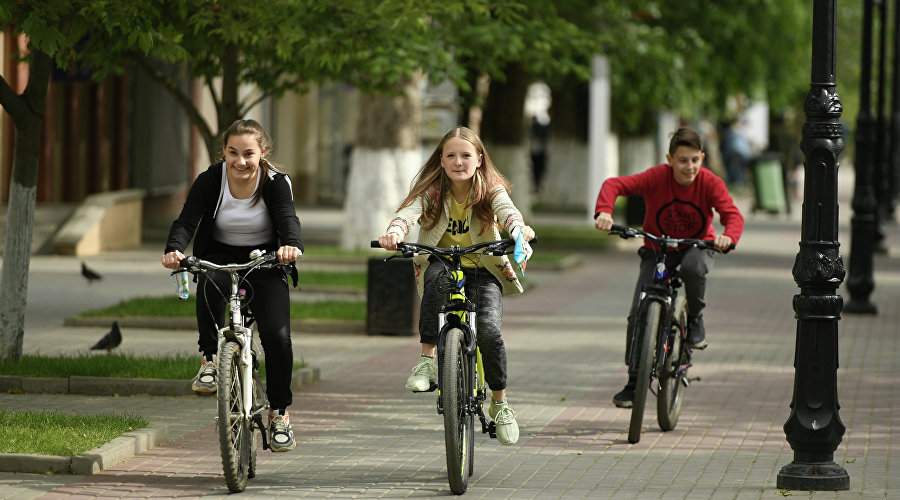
(202, 205)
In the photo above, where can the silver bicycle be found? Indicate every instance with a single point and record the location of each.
(241, 398)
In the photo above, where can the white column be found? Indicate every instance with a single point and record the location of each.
(598, 132)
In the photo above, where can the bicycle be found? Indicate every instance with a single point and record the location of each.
(659, 348)
(460, 382)
(240, 405)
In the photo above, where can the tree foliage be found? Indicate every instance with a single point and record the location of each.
(688, 57)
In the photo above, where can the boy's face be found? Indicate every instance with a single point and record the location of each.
(686, 163)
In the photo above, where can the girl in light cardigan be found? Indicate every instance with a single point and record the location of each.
(459, 198)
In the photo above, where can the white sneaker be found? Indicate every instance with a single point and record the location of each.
(507, 427)
(423, 376)
(205, 381)
(281, 436)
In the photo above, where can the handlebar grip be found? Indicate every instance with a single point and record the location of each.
(375, 244)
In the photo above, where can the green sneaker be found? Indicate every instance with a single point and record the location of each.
(507, 427)
(423, 378)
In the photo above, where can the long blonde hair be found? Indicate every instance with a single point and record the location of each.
(431, 183)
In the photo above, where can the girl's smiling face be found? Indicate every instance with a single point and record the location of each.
(242, 157)
(459, 160)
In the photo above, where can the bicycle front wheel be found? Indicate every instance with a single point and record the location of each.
(459, 424)
(671, 379)
(234, 429)
(647, 324)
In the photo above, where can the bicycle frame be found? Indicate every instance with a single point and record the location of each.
(237, 331)
(462, 314)
(666, 282)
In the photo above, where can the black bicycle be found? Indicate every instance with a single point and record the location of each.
(460, 386)
(659, 347)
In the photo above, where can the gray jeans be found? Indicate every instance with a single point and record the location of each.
(695, 265)
(487, 294)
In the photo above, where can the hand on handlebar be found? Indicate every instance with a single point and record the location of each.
(288, 254)
(389, 241)
(603, 221)
(172, 260)
(722, 243)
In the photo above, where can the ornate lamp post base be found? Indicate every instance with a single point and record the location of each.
(860, 307)
(815, 476)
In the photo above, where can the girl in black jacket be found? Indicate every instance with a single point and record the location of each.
(237, 205)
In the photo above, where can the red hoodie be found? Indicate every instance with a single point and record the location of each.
(673, 210)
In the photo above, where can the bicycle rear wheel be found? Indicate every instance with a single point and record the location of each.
(459, 424)
(671, 378)
(647, 323)
(234, 429)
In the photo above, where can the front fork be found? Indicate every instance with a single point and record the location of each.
(477, 392)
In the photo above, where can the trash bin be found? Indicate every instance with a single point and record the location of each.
(768, 184)
(392, 302)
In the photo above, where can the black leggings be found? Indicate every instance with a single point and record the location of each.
(271, 306)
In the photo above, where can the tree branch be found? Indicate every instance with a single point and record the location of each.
(182, 99)
(11, 102)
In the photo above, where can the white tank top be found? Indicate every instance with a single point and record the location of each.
(240, 224)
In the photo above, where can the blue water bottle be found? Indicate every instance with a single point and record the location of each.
(181, 285)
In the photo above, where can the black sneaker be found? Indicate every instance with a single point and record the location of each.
(625, 397)
(696, 334)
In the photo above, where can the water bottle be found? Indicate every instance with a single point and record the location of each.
(181, 285)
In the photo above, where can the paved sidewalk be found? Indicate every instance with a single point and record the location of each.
(362, 436)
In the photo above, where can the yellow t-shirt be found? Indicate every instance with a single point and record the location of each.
(457, 232)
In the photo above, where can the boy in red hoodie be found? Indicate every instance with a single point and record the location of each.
(680, 197)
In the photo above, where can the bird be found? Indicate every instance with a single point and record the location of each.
(90, 274)
(111, 340)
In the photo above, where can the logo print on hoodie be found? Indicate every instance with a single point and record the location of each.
(681, 219)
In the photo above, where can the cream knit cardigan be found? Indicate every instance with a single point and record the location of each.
(504, 211)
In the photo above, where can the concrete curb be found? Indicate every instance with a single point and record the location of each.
(92, 461)
(113, 386)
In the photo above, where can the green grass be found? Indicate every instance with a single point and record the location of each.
(350, 279)
(173, 307)
(106, 365)
(122, 365)
(47, 433)
(578, 238)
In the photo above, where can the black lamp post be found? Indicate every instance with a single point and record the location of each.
(860, 281)
(882, 134)
(814, 427)
(894, 155)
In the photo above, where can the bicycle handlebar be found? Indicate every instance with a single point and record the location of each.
(626, 232)
(496, 248)
(195, 264)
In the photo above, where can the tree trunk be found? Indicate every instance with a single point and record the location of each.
(566, 174)
(504, 132)
(383, 164)
(27, 112)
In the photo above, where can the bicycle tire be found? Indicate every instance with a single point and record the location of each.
(648, 322)
(671, 387)
(234, 429)
(251, 465)
(459, 432)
